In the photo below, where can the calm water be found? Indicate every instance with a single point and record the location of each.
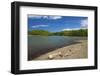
(38, 45)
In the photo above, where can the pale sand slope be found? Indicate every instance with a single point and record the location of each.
(74, 51)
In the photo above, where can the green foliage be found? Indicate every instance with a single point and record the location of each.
(39, 32)
(81, 32)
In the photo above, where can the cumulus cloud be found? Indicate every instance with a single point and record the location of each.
(37, 26)
(84, 24)
(34, 16)
(45, 17)
(55, 17)
(67, 29)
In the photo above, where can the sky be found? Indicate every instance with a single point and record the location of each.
(53, 23)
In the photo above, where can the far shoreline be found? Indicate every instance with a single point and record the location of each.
(56, 35)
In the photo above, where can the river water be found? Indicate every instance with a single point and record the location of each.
(38, 45)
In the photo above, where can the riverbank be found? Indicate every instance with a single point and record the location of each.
(73, 51)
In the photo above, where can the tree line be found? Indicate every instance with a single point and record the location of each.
(80, 32)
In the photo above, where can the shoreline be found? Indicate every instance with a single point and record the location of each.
(57, 35)
(73, 51)
(45, 51)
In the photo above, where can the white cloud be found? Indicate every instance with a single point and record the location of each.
(55, 17)
(67, 29)
(34, 16)
(84, 23)
(45, 17)
(37, 26)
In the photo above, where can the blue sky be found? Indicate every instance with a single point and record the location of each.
(54, 23)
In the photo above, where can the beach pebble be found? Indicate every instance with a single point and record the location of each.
(50, 57)
(60, 54)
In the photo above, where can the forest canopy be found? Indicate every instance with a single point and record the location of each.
(80, 32)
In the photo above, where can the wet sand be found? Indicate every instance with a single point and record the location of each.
(73, 51)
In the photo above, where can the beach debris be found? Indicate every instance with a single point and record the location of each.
(60, 54)
(51, 56)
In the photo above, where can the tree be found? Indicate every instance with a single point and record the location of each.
(39, 32)
(81, 32)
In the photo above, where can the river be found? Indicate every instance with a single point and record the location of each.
(38, 45)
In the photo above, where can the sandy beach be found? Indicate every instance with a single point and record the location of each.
(73, 51)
